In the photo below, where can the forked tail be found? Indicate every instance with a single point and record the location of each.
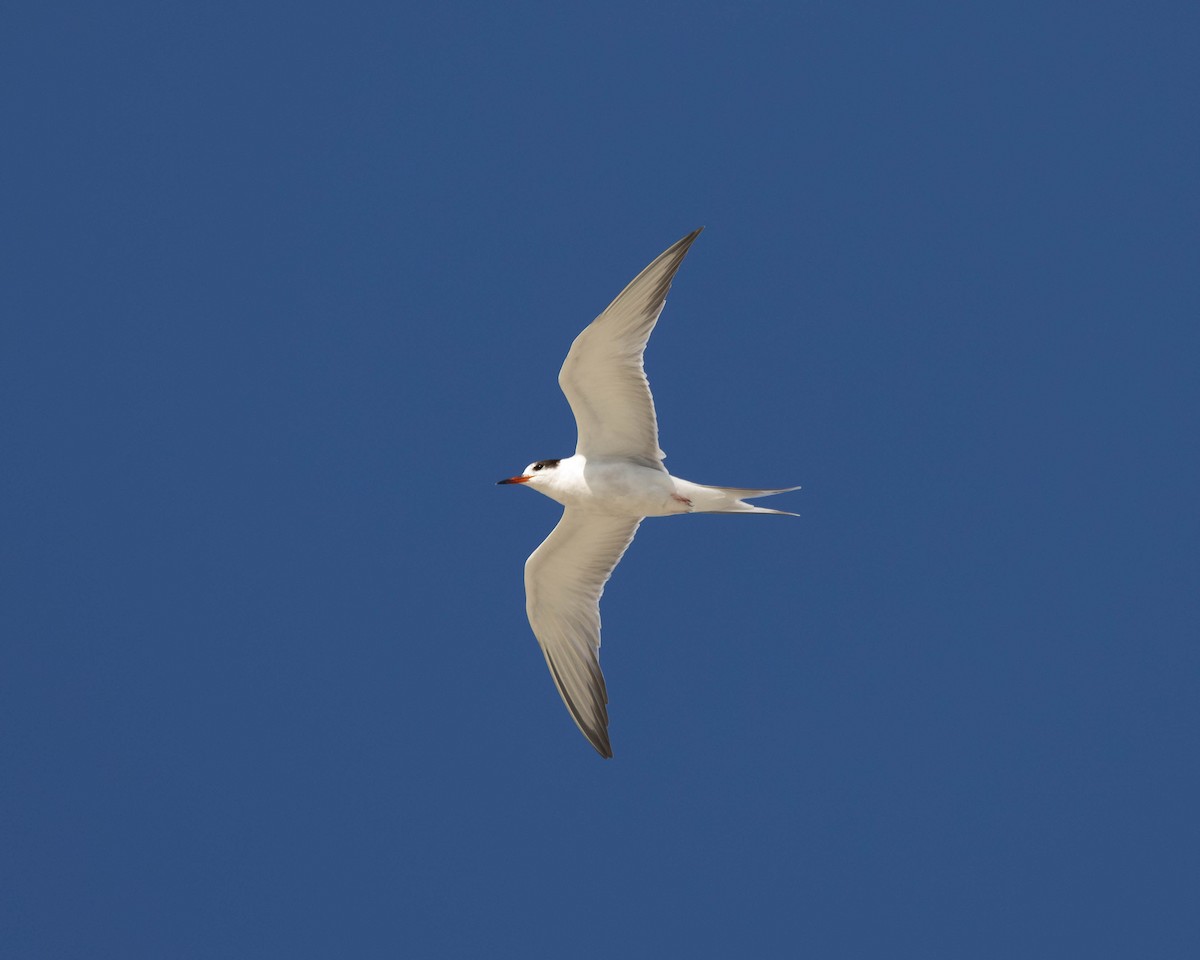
(706, 499)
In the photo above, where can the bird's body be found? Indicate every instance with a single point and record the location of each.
(615, 479)
(625, 489)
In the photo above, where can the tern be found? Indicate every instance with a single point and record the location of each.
(614, 481)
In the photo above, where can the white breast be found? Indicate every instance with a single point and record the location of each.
(615, 487)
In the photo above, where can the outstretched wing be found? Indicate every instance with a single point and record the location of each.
(603, 376)
(564, 579)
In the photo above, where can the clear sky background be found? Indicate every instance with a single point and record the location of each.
(286, 289)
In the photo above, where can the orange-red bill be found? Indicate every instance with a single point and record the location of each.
(514, 480)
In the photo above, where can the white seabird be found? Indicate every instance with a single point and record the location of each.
(615, 479)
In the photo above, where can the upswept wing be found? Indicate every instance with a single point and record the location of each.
(564, 579)
(603, 376)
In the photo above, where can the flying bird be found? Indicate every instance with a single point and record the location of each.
(615, 480)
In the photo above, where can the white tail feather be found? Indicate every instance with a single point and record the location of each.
(707, 499)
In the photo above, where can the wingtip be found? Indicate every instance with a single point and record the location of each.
(598, 738)
(683, 243)
(675, 252)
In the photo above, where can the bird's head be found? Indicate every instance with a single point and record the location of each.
(537, 472)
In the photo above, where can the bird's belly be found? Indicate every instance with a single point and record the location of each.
(627, 490)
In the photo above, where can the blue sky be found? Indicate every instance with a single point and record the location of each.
(287, 288)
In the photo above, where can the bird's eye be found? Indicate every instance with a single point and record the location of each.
(537, 466)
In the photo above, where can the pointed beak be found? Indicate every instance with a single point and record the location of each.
(514, 480)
